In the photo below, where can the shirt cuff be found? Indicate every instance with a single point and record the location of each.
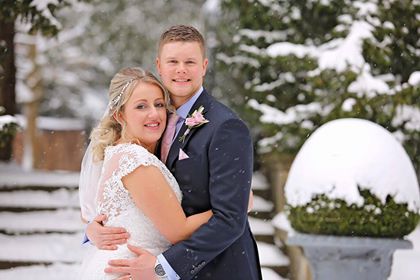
(170, 272)
(85, 237)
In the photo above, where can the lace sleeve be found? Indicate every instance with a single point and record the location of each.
(137, 156)
(131, 157)
(120, 161)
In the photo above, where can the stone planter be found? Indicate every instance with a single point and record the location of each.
(348, 258)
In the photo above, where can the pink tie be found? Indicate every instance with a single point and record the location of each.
(168, 135)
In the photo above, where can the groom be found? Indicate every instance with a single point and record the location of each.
(212, 162)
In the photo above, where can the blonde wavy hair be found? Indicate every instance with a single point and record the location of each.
(122, 85)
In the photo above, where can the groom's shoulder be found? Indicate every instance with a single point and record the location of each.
(221, 117)
(220, 112)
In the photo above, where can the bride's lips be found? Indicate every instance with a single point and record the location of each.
(152, 125)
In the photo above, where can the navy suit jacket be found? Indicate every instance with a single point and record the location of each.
(217, 175)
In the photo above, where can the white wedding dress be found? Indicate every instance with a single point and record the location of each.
(115, 201)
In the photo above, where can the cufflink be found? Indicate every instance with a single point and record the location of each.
(159, 271)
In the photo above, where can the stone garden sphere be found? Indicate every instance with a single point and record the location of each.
(349, 174)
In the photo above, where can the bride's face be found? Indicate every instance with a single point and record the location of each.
(145, 115)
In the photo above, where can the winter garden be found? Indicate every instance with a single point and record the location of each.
(329, 89)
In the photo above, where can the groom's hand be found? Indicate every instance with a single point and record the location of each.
(105, 238)
(142, 267)
(251, 201)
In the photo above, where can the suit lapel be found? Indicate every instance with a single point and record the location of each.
(179, 144)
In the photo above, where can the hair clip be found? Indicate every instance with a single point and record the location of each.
(114, 102)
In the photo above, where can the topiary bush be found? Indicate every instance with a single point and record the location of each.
(323, 215)
(353, 178)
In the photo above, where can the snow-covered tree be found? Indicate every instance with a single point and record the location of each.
(298, 64)
(37, 15)
(97, 40)
(37, 18)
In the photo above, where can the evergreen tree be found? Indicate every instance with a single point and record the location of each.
(97, 40)
(37, 17)
(298, 64)
(40, 16)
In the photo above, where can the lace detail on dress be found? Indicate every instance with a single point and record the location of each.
(114, 200)
(123, 159)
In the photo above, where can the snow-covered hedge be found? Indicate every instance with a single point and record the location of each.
(352, 177)
(335, 217)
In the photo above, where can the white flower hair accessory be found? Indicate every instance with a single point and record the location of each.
(115, 101)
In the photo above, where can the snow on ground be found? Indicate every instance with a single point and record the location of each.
(260, 227)
(39, 199)
(62, 220)
(406, 262)
(41, 247)
(41, 272)
(11, 175)
(270, 255)
(259, 182)
(260, 204)
(280, 221)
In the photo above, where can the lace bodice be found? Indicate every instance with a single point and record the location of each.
(120, 160)
(114, 200)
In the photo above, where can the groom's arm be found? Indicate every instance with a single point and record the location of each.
(230, 169)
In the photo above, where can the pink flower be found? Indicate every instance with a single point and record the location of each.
(197, 119)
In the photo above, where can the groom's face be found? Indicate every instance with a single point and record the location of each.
(182, 67)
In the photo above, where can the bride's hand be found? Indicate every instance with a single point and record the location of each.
(105, 238)
(139, 268)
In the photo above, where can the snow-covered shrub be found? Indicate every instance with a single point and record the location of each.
(352, 177)
(8, 129)
(334, 217)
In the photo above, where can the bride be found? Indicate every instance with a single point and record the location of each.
(135, 191)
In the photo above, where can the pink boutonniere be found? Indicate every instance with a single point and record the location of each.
(197, 119)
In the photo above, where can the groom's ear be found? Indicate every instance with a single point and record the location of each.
(158, 65)
(205, 64)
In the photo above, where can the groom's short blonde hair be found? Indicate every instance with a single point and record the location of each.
(182, 33)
